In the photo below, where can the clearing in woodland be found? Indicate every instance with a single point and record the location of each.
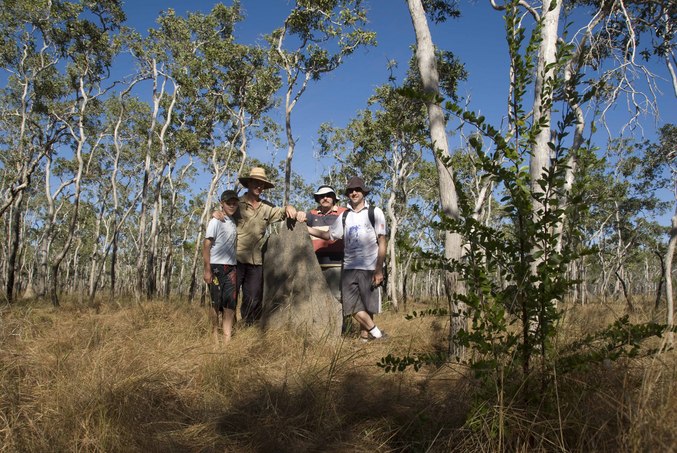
(147, 377)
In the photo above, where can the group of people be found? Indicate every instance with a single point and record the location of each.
(349, 243)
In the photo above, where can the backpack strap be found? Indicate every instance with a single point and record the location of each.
(343, 218)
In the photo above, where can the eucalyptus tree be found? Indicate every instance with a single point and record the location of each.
(190, 49)
(176, 218)
(601, 59)
(57, 53)
(615, 220)
(660, 168)
(89, 47)
(314, 40)
(604, 58)
(430, 81)
(151, 55)
(169, 59)
(113, 181)
(29, 57)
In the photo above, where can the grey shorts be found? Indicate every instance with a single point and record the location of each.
(357, 294)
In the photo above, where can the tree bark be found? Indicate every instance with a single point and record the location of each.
(141, 241)
(540, 151)
(659, 289)
(668, 272)
(15, 229)
(95, 257)
(626, 292)
(392, 254)
(425, 56)
(113, 265)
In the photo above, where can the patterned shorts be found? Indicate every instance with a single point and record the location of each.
(223, 289)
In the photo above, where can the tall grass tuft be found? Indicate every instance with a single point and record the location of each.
(148, 377)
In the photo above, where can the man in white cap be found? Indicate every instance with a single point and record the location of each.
(329, 253)
(364, 254)
(253, 218)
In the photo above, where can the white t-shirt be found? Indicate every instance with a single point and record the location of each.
(360, 246)
(224, 234)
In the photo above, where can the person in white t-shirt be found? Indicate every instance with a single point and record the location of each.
(220, 266)
(364, 253)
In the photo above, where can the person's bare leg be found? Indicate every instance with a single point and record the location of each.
(214, 321)
(228, 321)
(366, 322)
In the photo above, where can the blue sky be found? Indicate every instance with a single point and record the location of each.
(477, 38)
(339, 95)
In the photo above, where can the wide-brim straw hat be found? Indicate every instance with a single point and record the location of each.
(259, 174)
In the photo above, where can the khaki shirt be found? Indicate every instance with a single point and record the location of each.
(251, 229)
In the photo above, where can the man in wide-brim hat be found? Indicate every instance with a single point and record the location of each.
(253, 218)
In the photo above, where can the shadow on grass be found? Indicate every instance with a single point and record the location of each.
(360, 413)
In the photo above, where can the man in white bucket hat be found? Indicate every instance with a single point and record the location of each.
(329, 253)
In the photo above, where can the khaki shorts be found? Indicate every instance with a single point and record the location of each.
(357, 294)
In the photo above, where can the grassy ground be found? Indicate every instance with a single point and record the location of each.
(130, 377)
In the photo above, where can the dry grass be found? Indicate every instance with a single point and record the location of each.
(148, 378)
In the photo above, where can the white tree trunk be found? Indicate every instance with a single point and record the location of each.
(95, 256)
(540, 151)
(80, 137)
(668, 272)
(425, 55)
(393, 275)
(141, 241)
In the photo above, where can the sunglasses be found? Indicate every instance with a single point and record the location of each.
(349, 191)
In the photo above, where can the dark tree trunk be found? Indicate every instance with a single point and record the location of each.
(192, 287)
(151, 279)
(626, 294)
(168, 274)
(15, 229)
(54, 285)
(113, 263)
(659, 290)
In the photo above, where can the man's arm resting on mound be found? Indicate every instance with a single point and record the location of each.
(319, 233)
